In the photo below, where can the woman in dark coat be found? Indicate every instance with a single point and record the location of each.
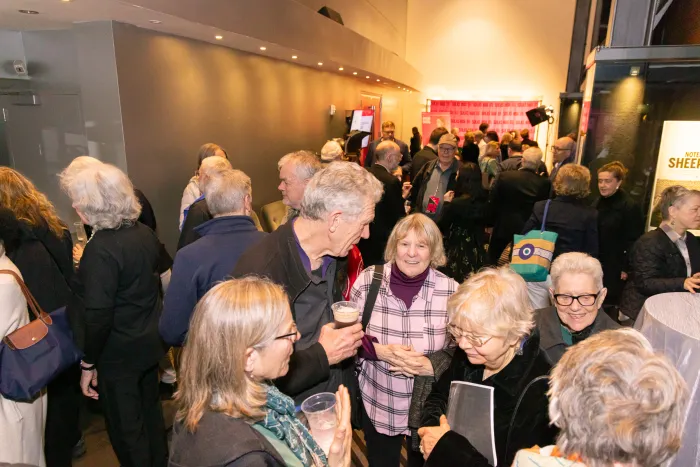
(666, 259)
(492, 321)
(462, 224)
(620, 224)
(41, 250)
(415, 141)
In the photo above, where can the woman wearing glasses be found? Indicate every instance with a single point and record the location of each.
(578, 295)
(492, 322)
(228, 415)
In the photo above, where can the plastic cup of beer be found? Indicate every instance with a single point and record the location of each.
(345, 314)
(323, 421)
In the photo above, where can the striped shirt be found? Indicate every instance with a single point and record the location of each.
(387, 396)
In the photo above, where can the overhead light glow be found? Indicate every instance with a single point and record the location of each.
(378, 80)
(320, 63)
(218, 38)
(263, 48)
(367, 77)
(354, 73)
(294, 57)
(152, 21)
(341, 68)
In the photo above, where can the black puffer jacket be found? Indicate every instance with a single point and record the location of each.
(657, 267)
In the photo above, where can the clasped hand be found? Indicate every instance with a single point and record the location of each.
(403, 359)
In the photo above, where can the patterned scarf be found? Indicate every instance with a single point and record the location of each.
(282, 421)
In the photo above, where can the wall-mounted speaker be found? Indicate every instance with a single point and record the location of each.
(537, 115)
(332, 14)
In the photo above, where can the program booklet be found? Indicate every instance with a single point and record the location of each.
(470, 413)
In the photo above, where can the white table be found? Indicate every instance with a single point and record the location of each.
(671, 322)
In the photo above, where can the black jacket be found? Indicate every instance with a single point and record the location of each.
(387, 213)
(551, 339)
(530, 425)
(197, 215)
(276, 257)
(415, 145)
(574, 221)
(620, 224)
(420, 182)
(512, 199)
(515, 162)
(657, 267)
(221, 441)
(422, 157)
(405, 156)
(470, 153)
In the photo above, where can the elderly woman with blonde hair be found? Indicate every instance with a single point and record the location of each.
(492, 321)
(407, 324)
(119, 272)
(616, 403)
(241, 337)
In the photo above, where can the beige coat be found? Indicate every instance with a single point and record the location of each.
(21, 423)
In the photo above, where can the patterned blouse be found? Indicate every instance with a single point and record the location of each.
(387, 396)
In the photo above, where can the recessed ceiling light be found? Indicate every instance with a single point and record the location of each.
(153, 21)
(29, 12)
(341, 68)
(294, 57)
(263, 48)
(320, 63)
(367, 77)
(354, 73)
(66, 1)
(218, 38)
(399, 87)
(378, 80)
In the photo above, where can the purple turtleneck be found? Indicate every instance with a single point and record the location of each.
(404, 287)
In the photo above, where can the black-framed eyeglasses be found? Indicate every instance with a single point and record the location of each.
(583, 300)
(556, 149)
(292, 335)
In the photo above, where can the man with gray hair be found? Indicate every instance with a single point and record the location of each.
(296, 169)
(210, 259)
(307, 257)
(513, 195)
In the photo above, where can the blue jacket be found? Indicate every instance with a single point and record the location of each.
(199, 266)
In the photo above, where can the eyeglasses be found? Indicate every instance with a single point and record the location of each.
(292, 335)
(557, 149)
(583, 300)
(474, 341)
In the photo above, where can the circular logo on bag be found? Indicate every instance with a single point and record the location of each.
(526, 251)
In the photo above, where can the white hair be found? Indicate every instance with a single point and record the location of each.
(532, 158)
(104, 195)
(225, 192)
(331, 151)
(577, 263)
(341, 186)
(78, 164)
(306, 164)
(213, 165)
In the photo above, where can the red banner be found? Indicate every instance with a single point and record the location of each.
(502, 116)
(432, 120)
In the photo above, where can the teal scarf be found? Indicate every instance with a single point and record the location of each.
(282, 421)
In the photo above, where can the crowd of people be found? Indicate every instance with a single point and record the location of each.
(419, 240)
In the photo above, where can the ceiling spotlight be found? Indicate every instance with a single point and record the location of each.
(294, 57)
(218, 38)
(378, 80)
(367, 77)
(398, 87)
(354, 73)
(320, 63)
(66, 1)
(263, 48)
(341, 68)
(29, 12)
(152, 21)
(634, 71)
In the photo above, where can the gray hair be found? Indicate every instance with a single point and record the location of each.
(532, 158)
(226, 191)
(577, 263)
(385, 148)
(675, 195)
(331, 151)
(211, 167)
(77, 165)
(306, 164)
(617, 401)
(104, 195)
(341, 186)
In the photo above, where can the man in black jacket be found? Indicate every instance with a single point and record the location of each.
(388, 131)
(389, 209)
(512, 198)
(429, 152)
(306, 256)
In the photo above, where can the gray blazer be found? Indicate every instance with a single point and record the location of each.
(551, 340)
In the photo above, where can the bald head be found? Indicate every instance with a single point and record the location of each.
(389, 154)
(563, 148)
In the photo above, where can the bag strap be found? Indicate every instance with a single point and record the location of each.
(546, 210)
(31, 301)
(372, 295)
(517, 406)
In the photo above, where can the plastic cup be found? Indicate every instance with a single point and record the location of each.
(345, 314)
(323, 421)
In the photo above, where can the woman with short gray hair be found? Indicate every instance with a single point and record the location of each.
(616, 402)
(119, 272)
(578, 295)
(666, 259)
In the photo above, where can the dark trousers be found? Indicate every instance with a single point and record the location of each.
(384, 450)
(134, 417)
(496, 248)
(62, 418)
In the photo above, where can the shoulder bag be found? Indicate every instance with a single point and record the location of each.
(533, 252)
(35, 354)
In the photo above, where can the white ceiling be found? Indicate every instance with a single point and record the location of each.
(58, 14)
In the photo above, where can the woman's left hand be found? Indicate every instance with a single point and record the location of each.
(341, 448)
(87, 378)
(416, 366)
(430, 435)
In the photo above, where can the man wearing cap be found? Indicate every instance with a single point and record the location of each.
(435, 179)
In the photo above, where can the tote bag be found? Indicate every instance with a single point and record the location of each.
(35, 354)
(533, 252)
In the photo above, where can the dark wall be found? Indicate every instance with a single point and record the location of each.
(177, 94)
(680, 25)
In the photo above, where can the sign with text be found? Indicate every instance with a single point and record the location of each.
(432, 120)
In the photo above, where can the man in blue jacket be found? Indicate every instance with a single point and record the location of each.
(210, 259)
